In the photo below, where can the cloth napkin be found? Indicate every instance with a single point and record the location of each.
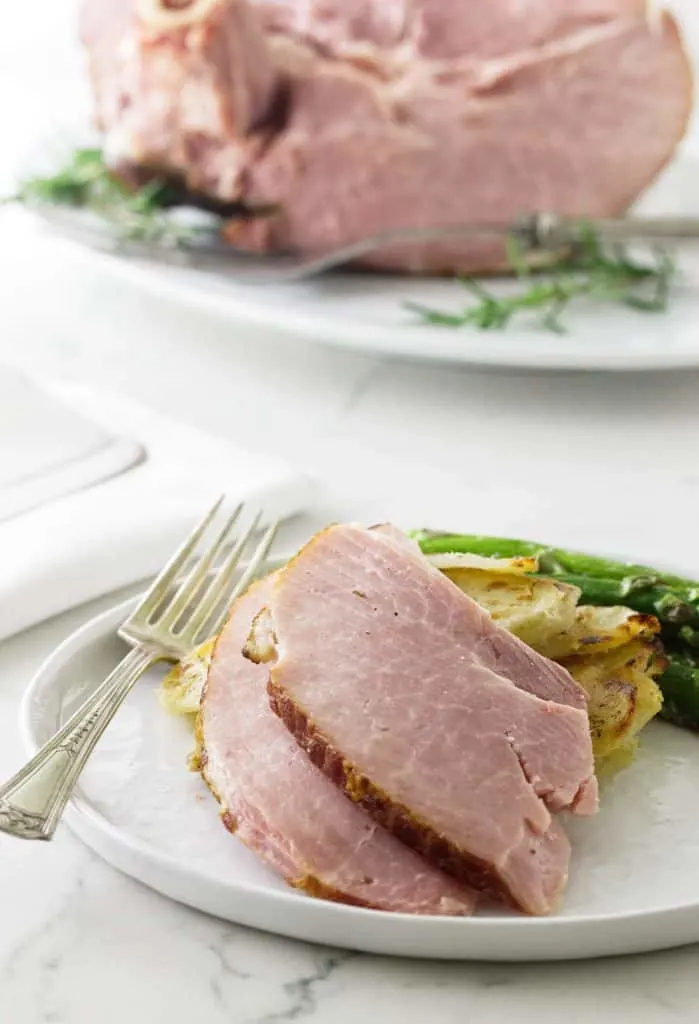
(48, 449)
(104, 492)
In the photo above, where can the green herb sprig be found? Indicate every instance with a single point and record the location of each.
(592, 271)
(87, 182)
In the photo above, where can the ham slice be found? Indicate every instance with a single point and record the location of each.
(351, 117)
(452, 733)
(282, 807)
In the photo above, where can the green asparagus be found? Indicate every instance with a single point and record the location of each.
(680, 686)
(554, 560)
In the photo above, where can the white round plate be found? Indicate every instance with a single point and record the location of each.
(367, 312)
(634, 884)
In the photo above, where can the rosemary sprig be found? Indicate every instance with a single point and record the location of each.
(87, 182)
(607, 276)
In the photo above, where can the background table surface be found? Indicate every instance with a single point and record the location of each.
(598, 461)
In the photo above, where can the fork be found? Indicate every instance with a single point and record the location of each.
(536, 233)
(187, 604)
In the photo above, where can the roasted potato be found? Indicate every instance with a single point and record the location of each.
(535, 610)
(513, 566)
(609, 651)
(622, 695)
(596, 630)
(181, 689)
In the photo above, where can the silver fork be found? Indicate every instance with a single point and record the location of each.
(174, 617)
(536, 233)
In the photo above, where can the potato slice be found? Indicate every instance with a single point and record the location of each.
(514, 566)
(533, 609)
(622, 694)
(643, 655)
(181, 689)
(617, 759)
(596, 630)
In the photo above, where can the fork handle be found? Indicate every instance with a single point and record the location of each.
(32, 801)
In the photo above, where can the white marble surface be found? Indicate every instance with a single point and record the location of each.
(607, 462)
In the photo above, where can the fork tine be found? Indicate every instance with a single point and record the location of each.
(168, 575)
(225, 572)
(197, 576)
(252, 570)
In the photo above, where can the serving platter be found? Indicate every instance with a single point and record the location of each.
(368, 313)
(634, 883)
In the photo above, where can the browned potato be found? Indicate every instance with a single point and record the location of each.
(622, 694)
(181, 689)
(596, 630)
(513, 566)
(535, 610)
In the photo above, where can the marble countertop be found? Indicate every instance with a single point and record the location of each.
(604, 462)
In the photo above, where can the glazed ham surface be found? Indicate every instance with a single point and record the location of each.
(351, 117)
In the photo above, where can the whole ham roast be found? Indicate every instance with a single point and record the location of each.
(350, 117)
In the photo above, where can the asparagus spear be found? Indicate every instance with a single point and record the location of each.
(433, 543)
(680, 686)
(602, 581)
(553, 561)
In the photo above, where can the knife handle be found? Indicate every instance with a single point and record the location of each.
(550, 232)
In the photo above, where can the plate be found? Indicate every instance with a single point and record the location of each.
(367, 313)
(634, 882)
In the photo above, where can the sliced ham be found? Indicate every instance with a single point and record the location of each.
(358, 116)
(447, 729)
(282, 807)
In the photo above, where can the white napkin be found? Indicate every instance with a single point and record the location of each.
(124, 528)
(48, 449)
